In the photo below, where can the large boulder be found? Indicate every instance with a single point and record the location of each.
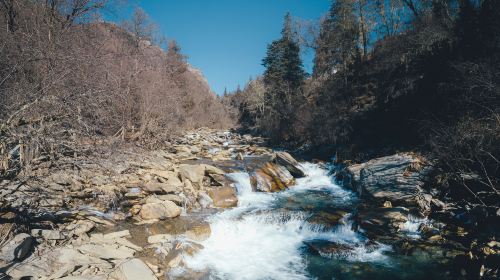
(54, 264)
(223, 196)
(397, 178)
(193, 173)
(17, 248)
(159, 210)
(286, 160)
(271, 178)
(133, 269)
(380, 221)
(160, 188)
(210, 169)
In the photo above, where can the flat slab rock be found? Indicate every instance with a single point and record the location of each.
(396, 178)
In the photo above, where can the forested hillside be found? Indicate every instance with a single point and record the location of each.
(66, 77)
(393, 75)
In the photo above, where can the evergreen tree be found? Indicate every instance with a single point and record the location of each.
(283, 79)
(337, 45)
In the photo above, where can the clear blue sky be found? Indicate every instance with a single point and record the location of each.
(227, 39)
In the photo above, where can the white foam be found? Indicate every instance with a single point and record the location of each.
(254, 247)
(412, 225)
(255, 241)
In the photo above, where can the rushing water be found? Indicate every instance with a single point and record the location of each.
(269, 236)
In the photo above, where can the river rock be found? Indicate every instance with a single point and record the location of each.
(223, 196)
(80, 227)
(55, 262)
(160, 238)
(271, 178)
(209, 170)
(160, 210)
(193, 173)
(107, 251)
(381, 220)
(327, 219)
(47, 234)
(133, 269)
(397, 178)
(156, 187)
(286, 160)
(199, 232)
(172, 197)
(17, 248)
(328, 249)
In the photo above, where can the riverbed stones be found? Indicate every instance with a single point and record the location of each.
(47, 234)
(17, 248)
(381, 221)
(223, 197)
(271, 178)
(160, 210)
(159, 188)
(291, 164)
(397, 178)
(133, 269)
(160, 238)
(199, 232)
(193, 173)
(328, 219)
(107, 251)
(212, 170)
(329, 249)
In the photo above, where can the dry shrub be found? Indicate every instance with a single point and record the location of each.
(64, 79)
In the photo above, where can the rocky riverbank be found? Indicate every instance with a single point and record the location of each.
(129, 213)
(52, 212)
(399, 195)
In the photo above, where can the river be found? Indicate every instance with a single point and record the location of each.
(284, 236)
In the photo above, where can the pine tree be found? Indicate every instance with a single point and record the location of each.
(283, 79)
(337, 45)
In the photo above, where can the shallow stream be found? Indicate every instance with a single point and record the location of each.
(294, 235)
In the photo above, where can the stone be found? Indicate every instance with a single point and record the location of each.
(325, 248)
(381, 221)
(193, 173)
(286, 160)
(223, 197)
(195, 150)
(209, 170)
(205, 200)
(81, 227)
(51, 263)
(160, 210)
(175, 182)
(106, 251)
(117, 234)
(133, 269)
(220, 180)
(159, 188)
(172, 197)
(239, 156)
(84, 277)
(162, 173)
(174, 260)
(271, 178)
(160, 238)
(47, 234)
(17, 248)
(199, 232)
(397, 178)
(327, 219)
(182, 149)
